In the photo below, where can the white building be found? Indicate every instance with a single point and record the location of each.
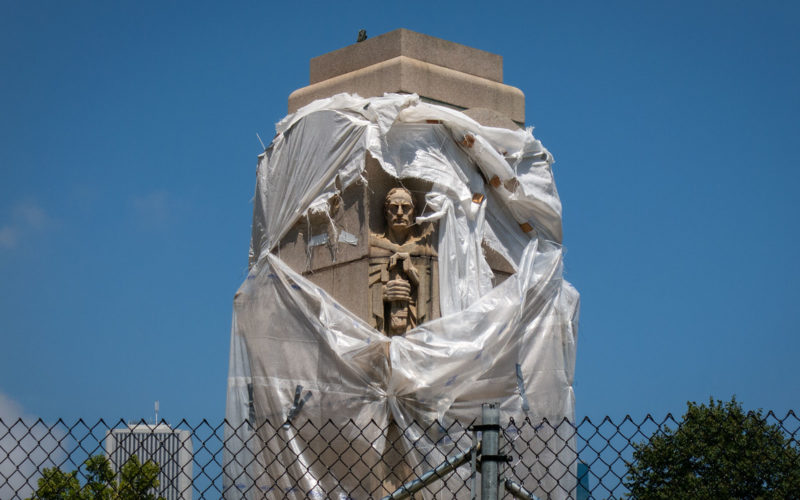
(170, 448)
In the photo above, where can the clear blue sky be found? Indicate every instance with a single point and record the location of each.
(127, 165)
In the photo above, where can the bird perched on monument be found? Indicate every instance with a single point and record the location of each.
(362, 35)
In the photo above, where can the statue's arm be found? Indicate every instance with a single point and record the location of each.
(410, 270)
(404, 259)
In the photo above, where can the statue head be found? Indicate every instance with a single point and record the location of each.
(399, 211)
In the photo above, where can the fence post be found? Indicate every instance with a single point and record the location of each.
(490, 437)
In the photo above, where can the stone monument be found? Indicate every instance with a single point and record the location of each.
(401, 61)
(405, 267)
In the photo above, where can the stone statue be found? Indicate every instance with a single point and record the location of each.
(403, 271)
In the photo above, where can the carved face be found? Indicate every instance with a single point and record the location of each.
(399, 209)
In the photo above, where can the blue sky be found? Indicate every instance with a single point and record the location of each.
(127, 166)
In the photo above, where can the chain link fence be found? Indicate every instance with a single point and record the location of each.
(190, 456)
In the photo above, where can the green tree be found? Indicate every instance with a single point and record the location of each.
(717, 452)
(136, 481)
(56, 484)
(100, 484)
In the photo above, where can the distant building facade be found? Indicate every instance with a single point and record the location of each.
(170, 448)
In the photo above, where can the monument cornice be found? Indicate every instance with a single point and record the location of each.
(403, 61)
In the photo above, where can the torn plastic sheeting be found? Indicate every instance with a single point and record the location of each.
(506, 154)
(349, 238)
(311, 155)
(430, 367)
(506, 344)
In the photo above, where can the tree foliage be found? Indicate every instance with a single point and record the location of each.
(717, 451)
(136, 482)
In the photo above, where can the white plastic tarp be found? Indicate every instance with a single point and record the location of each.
(297, 355)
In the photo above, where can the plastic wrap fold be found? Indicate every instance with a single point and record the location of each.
(299, 357)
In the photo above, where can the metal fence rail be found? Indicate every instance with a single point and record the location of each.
(524, 460)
